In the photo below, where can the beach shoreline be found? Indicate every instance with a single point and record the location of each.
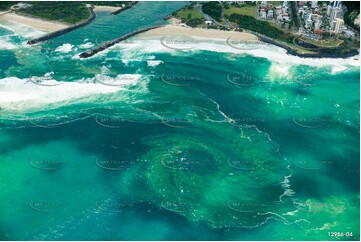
(175, 29)
(172, 30)
(105, 8)
(35, 23)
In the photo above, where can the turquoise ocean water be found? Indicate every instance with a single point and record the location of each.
(149, 142)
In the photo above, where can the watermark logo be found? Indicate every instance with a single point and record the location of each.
(114, 165)
(244, 165)
(174, 122)
(111, 206)
(179, 43)
(248, 206)
(240, 79)
(120, 80)
(178, 80)
(178, 163)
(47, 165)
(312, 123)
(177, 206)
(312, 164)
(47, 206)
(48, 122)
(45, 81)
(249, 121)
(303, 44)
(242, 44)
(102, 43)
(110, 122)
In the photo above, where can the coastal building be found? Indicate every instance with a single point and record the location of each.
(329, 10)
(335, 11)
(262, 13)
(314, 4)
(338, 25)
(318, 25)
(285, 17)
(317, 17)
(302, 3)
(336, 4)
(317, 20)
(279, 9)
(333, 14)
(270, 14)
(309, 21)
(301, 11)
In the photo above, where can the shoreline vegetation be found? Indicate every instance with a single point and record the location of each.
(63, 31)
(58, 16)
(72, 19)
(68, 13)
(242, 18)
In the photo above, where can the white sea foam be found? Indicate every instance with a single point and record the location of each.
(20, 94)
(154, 62)
(87, 45)
(263, 50)
(119, 80)
(5, 44)
(152, 57)
(337, 69)
(21, 29)
(65, 48)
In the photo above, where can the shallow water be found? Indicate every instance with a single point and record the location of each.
(145, 142)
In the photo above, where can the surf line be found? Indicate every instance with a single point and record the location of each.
(110, 43)
(62, 31)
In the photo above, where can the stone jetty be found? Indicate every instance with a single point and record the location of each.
(110, 43)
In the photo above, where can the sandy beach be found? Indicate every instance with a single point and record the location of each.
(176, 30)
(106, 8)
(33, 22)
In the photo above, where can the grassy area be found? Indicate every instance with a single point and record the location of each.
(248, 10)
(325, 43)
(68, 12)
(299, 49)
(188, 14)
(275, 3)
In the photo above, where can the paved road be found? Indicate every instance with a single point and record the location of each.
(228, 24)
(209, 18)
